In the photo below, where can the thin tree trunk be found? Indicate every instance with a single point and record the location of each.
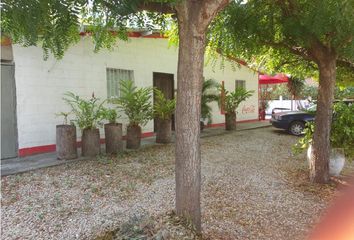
(193, 20)
(321, 140)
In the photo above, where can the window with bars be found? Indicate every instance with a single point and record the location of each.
(114, 77)
(240, 83)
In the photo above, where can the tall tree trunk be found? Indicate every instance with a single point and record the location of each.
(321, 140)
(193, 20)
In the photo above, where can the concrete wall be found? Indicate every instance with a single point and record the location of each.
(41, 84)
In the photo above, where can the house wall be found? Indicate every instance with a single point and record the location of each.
(41, 84)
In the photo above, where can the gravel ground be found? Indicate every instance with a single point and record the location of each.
(253, 188)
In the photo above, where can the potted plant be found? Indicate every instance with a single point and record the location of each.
(163, 110)
(88, 115)
(209, 94)
(136, 104)
(113, 132)
(66, 139)
(231, 101)
(341, 138)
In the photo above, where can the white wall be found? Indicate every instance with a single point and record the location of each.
(41, 84)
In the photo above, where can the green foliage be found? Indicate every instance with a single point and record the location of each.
(55, 25)
(209, 94)
(65, 115)
(276, 36)
(88, 113)
(110, 114)
(342, 131)
(295, 86)
(135, 103)
(163, 107)
(305, 141)
(233, 99)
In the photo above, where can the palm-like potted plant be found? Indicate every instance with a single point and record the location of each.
(136, 104)
(113, 132)
(209, 94)
(231, 101)
(66, 138)
(89, 114)
(163, 110)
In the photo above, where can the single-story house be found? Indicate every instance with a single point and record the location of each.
(32, 88)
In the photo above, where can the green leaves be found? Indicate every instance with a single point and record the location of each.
(135, 103)
(209, 94)
(88, 113)
(342, 131)
(163, 107)
(110, 114)
(233, 99)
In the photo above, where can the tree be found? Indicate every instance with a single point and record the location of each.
(55, 25)
(304, 38)
(295, 87)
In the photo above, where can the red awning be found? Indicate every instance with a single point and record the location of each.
(278, 78)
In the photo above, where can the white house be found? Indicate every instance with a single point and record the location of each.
(148, 61)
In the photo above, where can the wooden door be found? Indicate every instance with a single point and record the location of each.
(165, 83)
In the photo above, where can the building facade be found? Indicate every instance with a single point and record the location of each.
(148, 61)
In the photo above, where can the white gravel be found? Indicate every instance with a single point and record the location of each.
(247, 192)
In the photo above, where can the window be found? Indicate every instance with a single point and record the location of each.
(114, 77)
(240, 83)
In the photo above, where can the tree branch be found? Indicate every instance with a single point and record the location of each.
(346, 64)
(164, 8)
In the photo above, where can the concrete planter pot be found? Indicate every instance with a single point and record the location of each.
(66, 142)
(336, 160)
(113, 138)
(230, 121)
(164, 131)
(90, 142)
(133, 136)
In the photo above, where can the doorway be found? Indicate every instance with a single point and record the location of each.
(165, 83)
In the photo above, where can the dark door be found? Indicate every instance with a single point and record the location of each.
(165, 83)
(9, 145)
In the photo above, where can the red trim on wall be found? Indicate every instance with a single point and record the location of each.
(35, 150)
(23, 152)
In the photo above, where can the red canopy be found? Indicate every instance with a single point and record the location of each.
(278, 78)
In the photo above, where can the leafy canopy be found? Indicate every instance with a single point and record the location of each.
(279, 35)
(55, 25)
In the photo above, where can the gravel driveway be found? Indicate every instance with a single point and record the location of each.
(253, 188)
